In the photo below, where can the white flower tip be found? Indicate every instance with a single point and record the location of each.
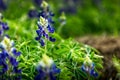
(43, 22)
(63, 17)
(6, 42)
(46, 61)
(44, 4)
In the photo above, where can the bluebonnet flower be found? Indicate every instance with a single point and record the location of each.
(8, 60)
(89, 67)
(33, 13)
(3, 26)
(46, 69)
(45, 25)
(3, 64)
(46, 13)
(2, 5)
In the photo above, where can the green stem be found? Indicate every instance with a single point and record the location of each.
(45, 46)
(60, 29)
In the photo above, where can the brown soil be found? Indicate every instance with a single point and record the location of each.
(108, 47)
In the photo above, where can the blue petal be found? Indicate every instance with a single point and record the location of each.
(14, 51)
(42, 42)
(50, 29)
(40, 27)
(52, 39)
(51, 13)
(39, 32)
(3, 55)
(40, 76)
(37, 38)
(5, 68)
(83, 68)
(43, 14)
(5, 26)
(93, 65)
(2, 5)
(52, 77)
(1, 61)
(18, 53)
(93, 73)
(16, 70)
(13, 61)
(1, 32)
(45, 34)
(50, 20)
(54, 69)
(33, 13)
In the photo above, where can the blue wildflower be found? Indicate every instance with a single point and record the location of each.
(3, 26)
(13, 61)
(2, 5)
(44, 30)
(8, 60)
(45, 25)
(16, 70)
(14, 51)
(46, 13)
(5, 67)
(33, 13)
(93, 73)
(46, 69)
(89, 67)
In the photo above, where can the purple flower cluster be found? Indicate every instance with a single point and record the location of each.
(8, 56)
(43, 74)
(45, 25)
(47, 69)
(8, 62)
(89, 69)
(33, 13)
(2, 5)
(3, 26)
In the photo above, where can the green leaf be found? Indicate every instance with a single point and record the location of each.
(69, 55)
(98, 65)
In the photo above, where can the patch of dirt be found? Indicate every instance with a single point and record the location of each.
(108, 47)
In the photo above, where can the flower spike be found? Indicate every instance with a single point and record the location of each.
(46, 69)
(44, 23)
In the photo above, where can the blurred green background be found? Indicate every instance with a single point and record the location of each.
(84, 17)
